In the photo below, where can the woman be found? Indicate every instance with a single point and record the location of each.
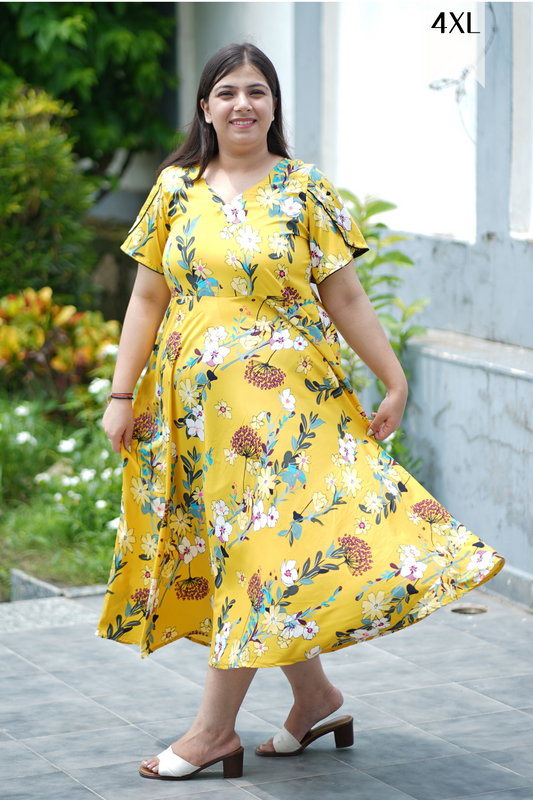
(260, 516)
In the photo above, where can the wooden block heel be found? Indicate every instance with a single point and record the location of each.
(344, 735)
(233, 765)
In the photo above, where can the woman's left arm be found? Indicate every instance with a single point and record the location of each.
(354, 316)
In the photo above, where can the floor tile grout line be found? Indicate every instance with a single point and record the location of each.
(482, 794)
(59, 769)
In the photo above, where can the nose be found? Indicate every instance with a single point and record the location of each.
(242, 101)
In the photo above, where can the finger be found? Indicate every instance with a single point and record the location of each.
(115, 443)
(377, 422)
(128, 434)
(383, 432)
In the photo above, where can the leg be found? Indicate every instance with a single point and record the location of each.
(315, 697)
(212, 733)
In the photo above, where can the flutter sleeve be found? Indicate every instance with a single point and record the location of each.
(334, 237)
(148, 235)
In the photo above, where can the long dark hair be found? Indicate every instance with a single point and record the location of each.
(201, 143)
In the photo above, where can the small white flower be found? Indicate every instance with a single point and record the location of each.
(158, 391)
(272, 516)
(99, 385)
(22, 411)
(106, 474)
(324, 319)
(222, 529)
(215, 353)
(42, 477)
(74, 496)
(103, 455)
(87, 475)
(316, 254)
(58, 497)
(310, 630)
(114, 523)
(117, 471)
(198, 412)
(101, 504)
(288, 573)
(200, 544)
(158, 506)
(66, 445)
(25, 437)
(218, 334)
(313, 652)
(195, 427)
(227, 233)
(259, 518)
(221, 509)
(249, 240)
(291, 207)
(299, 343)
(109, 350)
(66, 480)
(480, 560)
(287, 400)
(281, 340)
(187, 550)
(234, 211)
(343, 218)
(413, 569)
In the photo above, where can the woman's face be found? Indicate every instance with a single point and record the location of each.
(241, 109)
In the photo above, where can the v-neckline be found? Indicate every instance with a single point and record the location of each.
(250, 188)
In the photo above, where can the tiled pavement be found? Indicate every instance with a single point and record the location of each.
(442, 710)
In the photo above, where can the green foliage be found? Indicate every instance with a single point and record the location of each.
(59, 496)
(44, 239)
(105, 59)
(381, 286)
(54, 350)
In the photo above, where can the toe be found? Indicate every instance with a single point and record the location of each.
(267, 747)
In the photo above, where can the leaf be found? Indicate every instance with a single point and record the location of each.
(377, 207)
(291, 590)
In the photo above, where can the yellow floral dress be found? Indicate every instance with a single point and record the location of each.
(258, 518)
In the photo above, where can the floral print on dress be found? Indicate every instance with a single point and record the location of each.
(258, 518)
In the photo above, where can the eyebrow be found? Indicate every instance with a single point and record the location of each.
(250, 86)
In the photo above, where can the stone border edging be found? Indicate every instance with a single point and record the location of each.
(26, 587)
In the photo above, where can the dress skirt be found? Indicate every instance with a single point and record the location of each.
(258, 518)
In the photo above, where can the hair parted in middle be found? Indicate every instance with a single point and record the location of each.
(201, 143)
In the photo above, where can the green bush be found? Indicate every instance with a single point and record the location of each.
(59, 497)
(54, 350)
(112, 61)
(44, 238)
(381, 285)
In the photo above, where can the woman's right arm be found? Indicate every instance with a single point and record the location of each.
(148, 303)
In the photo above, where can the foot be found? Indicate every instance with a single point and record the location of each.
(199, 748)
(302, 717)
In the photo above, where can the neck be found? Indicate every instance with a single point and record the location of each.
(233, 163)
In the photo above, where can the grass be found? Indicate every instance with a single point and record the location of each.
(59, 497)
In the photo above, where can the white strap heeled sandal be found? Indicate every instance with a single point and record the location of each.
(174, 768)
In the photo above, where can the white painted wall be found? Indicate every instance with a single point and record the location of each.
(397, 138)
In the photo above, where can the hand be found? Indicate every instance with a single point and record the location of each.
(388, 416)
(117, 422)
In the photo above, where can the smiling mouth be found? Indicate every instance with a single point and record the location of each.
(242, 123)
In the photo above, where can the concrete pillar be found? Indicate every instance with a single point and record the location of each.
(493, 162)
(308, 80)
